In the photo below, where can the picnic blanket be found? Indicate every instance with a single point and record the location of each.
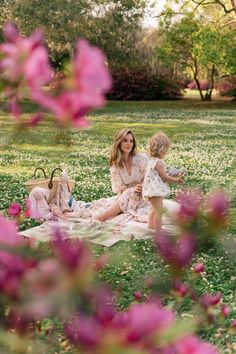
(103, 233)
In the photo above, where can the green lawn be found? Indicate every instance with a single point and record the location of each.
(203, 136)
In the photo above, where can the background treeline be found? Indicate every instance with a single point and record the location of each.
(192, 46)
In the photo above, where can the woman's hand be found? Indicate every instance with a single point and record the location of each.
(138, 188)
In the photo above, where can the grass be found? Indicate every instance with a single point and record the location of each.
(203, 135)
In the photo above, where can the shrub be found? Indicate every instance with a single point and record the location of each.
(227, 87)
(140, 84)
(204, 85)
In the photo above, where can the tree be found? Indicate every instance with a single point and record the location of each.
(111, 25)
(199, 48)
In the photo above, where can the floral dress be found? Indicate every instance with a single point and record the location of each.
(129, 201)
(153, 185)
(123, 185)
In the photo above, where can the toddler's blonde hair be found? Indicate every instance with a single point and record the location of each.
(159, 144)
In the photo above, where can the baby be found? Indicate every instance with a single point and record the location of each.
(155, 186)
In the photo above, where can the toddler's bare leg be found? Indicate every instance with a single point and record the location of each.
(151, 219)
(111, 212)
(157, 206)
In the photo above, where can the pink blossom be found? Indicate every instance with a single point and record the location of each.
(83, 90)
(14, 107)
(218, 204)
(177, 252)
(35, 119)
(8, 233)
(67, 107)
(104, 312)
(10, 32)
(138, 295)
(14, 209)
(84, 331)
(192, 345)
(199, 267)
(24, 60)
(146, 319)
(73, 253)
(190, 204)
(233, 324)
(208, 300)
(225, 310)
(92, 78)
(181, 288)
(11, 264)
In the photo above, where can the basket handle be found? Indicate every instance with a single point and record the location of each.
(50, 184)
(39, 168)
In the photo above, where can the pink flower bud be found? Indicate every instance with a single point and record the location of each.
(218, 204)
(181, 288)
(14, 209)
(35, 119)
(190, 203)
(199, 267)
(10, 32)
(225, 310)
(233, 324)
(138, 295)
(208, 300)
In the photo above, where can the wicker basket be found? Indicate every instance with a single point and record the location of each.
(50, 183)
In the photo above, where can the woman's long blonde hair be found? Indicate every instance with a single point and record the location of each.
(116, 153)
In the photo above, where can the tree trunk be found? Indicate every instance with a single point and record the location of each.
(199, 87)
(208, 94)
(195, 74)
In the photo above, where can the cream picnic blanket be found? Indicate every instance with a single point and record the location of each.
(103, 233)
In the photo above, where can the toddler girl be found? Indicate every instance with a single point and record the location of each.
(155, 186)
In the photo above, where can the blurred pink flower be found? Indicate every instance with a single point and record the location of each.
(233, 324)
(11, 263)
(181, 288)
(138, 295)
(84, 88)
(24, 61)
(73, 253)
(218, 204)
(10, 31)
(146, 319)
(8, 233)
(208, 300)
(104, 306)
(225, 310)
(14, 210)
(84, 331)
(14, 107)
(92, 78)
(190, 204)
(177, 252)
(199, 267)
(35, 119)
(192, 345)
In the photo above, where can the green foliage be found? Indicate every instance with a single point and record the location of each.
(112, 26)
(198, 48)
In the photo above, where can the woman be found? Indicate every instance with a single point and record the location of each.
(127, 168)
